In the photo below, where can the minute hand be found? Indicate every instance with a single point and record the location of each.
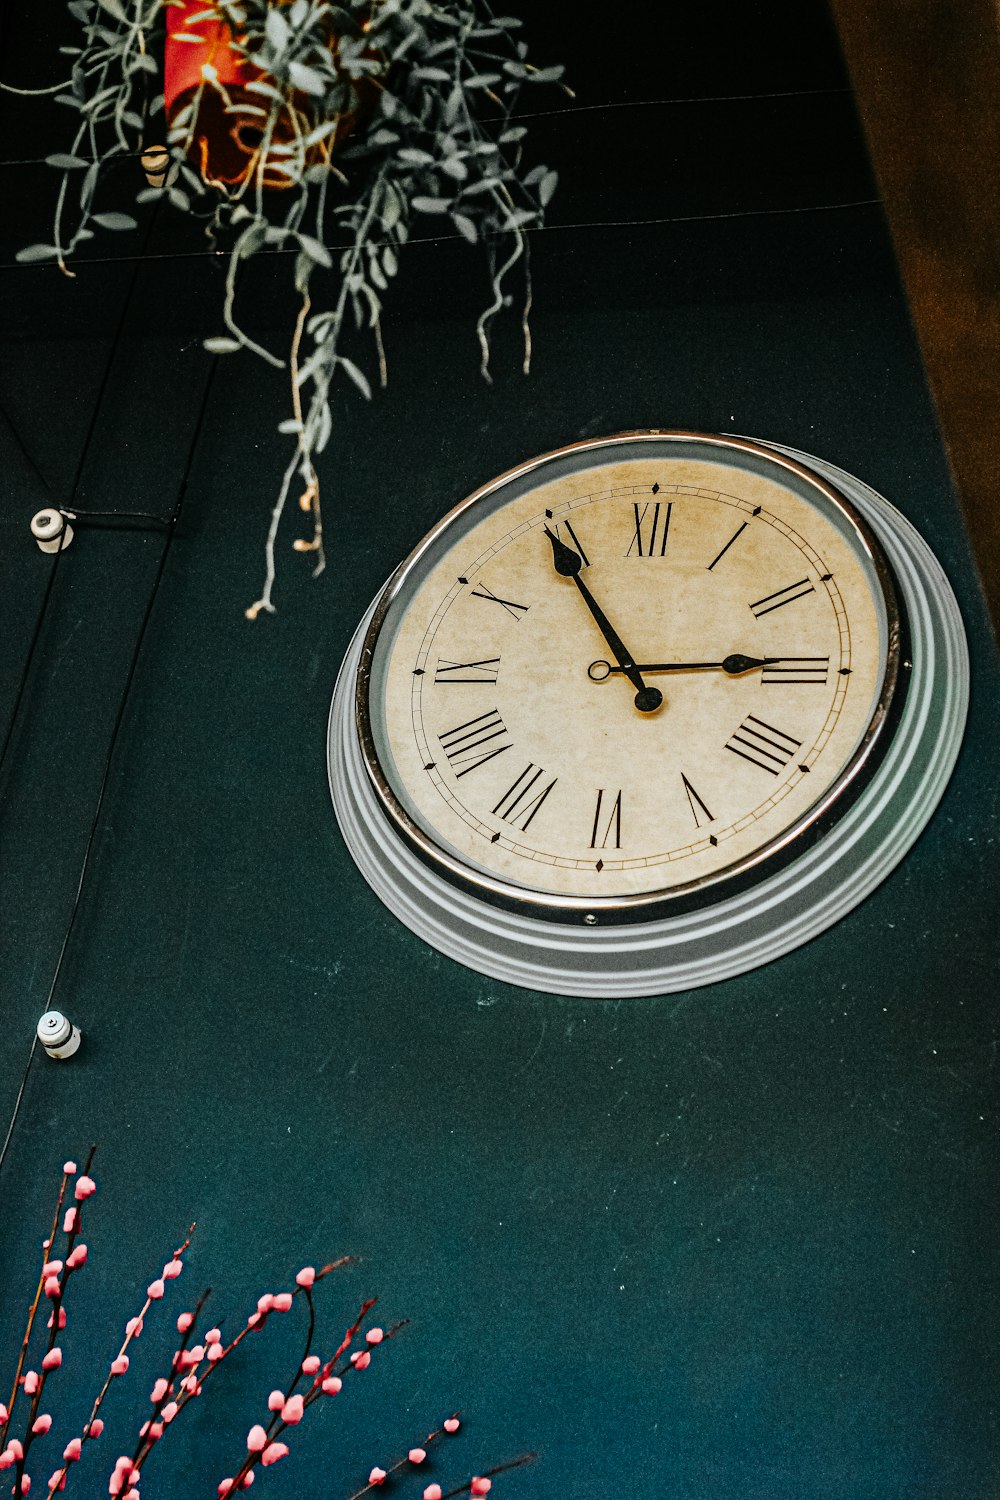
(568, 563)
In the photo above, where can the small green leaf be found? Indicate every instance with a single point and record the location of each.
(36, 252)
(64, 161)
(114, 221)
(547, 187)
(220, 346)
(113, 8)
(290, 425)
(306, 79)
(360, 379)
(315, 249)
(465, 227)
(276, 29)
(431, 205)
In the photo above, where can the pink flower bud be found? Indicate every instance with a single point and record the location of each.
(25, 1484)
(77, 1256)
(169, 1412)
(172, 1269)
(190, 1383)
(119, 1365)
(374, 1336)
(41, 1424)
(306, 1276)
(213, 1336)
(69, 1168)
(57, 1481)
(95, 1428)
(432, 1492)
(155, 1290)
(451, 1424)
(52, 1286)
(6, 1459)
(273, 1452)
(253, 1320)
(115, 1483)
(132, 1494)
(144, 1429)
(184, 1322)
(53, 1359)
(52, 1268)
(160, 1388)
(283, 1302)
(332, 1384)
(155, 1431)
(225, 1488)
(84, 1187)
(61, 1320)
(275, 1400)
(256, 1439)
(31, 1382)
(480, 1486)
(377, 1476)
(417, 1455)
(15, 1449)
(69, 1221)
(4, 1414)
(311, 1364)
(264, 1302)
(215, 1351)
(291, 1412)
(247, 1479)
(361, 1360)
(71, 1452)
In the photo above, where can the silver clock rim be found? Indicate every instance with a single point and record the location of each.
(646, 906)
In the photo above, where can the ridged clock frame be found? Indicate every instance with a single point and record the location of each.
(837, 858)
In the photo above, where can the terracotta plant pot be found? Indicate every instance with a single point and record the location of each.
(227, 134)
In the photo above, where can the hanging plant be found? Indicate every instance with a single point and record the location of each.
(324, 131)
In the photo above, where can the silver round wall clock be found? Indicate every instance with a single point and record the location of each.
(646, 712)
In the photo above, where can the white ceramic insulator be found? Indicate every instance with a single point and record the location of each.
(48, 527)
(58, 1035)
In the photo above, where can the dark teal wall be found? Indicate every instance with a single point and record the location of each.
(736, 1243)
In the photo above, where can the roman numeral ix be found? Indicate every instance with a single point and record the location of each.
(473, 743)
(763, 745)
(652, 525)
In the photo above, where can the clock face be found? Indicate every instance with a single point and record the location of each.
(629, 673)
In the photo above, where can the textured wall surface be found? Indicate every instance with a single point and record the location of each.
(738, 1243)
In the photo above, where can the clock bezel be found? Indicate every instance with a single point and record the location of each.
(707, 890)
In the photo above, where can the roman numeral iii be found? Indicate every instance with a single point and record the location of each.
(762, 745)
(652, 524)
(473, 743)
(793, 671)
(517, 806)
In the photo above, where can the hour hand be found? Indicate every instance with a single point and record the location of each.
(733, 666)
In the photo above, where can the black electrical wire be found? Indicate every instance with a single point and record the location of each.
(65, 510)
(569, 109)
(20, 1095)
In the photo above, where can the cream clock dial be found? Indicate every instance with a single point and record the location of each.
(616, 693)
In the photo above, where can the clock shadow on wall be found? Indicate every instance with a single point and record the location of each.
(739, 1240)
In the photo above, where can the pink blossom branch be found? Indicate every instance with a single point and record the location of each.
(479, 1484)
(263, 1444)
(415, 1456)
(94, 1426)
(46, 1251)
(148, 1437)
(54, 1285)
